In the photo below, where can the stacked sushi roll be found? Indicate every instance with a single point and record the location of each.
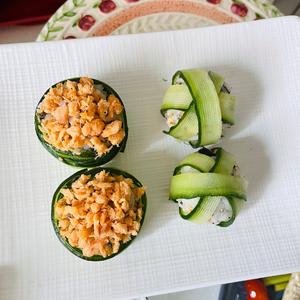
(206, 184)
(96, 213)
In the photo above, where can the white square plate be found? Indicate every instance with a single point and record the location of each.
(260, 60)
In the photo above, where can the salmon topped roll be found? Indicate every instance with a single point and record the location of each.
(97, 213)
(82, 122)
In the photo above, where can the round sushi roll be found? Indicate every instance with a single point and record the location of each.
(97, 213)
(196, 105)
(208, 188)
(82, 122)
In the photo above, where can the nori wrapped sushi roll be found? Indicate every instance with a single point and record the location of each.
(82, 122)
(97, 213)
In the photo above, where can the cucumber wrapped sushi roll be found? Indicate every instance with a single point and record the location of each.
(82, 122)
(196, 105)
(208, 188)
(97, 213)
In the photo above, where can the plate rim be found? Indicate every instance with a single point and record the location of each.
(69, 14)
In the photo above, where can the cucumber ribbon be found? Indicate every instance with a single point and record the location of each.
(204, 102)
(209, 179)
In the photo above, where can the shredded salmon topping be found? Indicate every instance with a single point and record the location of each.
(98, 214)
(76, 116)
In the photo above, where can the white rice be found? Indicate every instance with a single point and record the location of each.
(173, 116)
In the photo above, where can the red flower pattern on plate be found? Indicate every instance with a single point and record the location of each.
(86, 22)
(239, 9)
(107, 6)
(214, 1)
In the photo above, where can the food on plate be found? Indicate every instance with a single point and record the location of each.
(97, 213)
(82, 122)
(208, 188)
(196, 105)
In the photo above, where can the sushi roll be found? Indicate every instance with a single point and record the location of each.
(97, 213)
(82, 122)
(208, 188)
(196, 105)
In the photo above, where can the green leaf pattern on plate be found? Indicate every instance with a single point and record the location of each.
(69, 14)
(55, 29)
(263, 8)
(65, 14)
(96, 4)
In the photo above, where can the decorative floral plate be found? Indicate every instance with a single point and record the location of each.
(84, 18)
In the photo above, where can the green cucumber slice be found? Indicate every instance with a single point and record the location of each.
(66, 184)
(217, 79)
(210, 178)
(178, 97)
(213, 104)
(231, 220)
(203, 210)
(187, 127)
(236, 205)
(198, 161)
(227, 105)
(225, 162)
(207, 105)
(191, 185)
